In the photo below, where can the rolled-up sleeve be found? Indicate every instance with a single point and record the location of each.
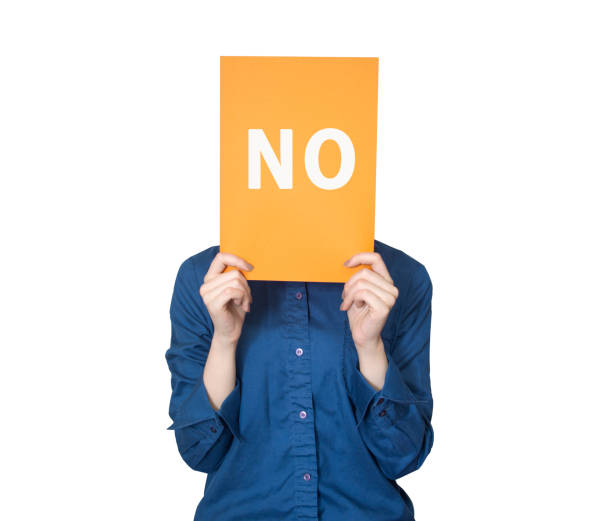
(203, 434)
(395, 421)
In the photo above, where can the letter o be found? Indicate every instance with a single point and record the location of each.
(347, 159)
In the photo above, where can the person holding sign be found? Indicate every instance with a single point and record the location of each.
(300, 378)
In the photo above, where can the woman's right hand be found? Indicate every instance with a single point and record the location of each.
(227, 296)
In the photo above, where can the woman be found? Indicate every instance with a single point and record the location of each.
(302, 400)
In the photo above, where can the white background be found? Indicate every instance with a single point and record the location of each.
(494, 166)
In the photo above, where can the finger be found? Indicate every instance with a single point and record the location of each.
(229, 281)
(208, 291)
(221, 280)
(376, 304)
(373, 259)
(229, 293)
(373, 277)
(383, 295)
(222, 260)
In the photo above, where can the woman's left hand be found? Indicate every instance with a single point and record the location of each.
(368, 296)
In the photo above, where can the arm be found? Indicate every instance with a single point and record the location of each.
(395, 421)
(205, 424)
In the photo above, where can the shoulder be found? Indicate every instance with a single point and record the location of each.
(186, 300)
(195, 267)
(190, 275)
(409, 275)
(402, 267)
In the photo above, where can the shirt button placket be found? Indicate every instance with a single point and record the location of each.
(303, 447)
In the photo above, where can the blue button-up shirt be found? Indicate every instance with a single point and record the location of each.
(303, 436)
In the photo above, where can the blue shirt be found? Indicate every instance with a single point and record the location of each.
(303, 436)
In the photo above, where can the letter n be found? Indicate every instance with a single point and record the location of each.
(282, 170)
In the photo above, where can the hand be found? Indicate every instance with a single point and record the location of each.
(227, 296)
(368, 296)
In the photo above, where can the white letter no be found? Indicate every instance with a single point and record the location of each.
(347, 159)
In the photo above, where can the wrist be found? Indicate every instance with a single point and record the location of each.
(372, 348)
(224, 344)
(373, 364)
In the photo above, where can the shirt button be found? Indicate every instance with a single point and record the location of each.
(307, 477)
(382, 413)
(212, 429)
(303, 414)
(380, 400)
(299, 351)
(298, 295)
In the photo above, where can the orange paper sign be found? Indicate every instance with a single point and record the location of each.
(298, 164)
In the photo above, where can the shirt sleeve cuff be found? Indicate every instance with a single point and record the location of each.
(395, 389)
(197, 408)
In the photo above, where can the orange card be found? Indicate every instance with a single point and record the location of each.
(298, 164)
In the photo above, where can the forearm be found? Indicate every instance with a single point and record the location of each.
(373, 363)
(395, 425)
(220, 370)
